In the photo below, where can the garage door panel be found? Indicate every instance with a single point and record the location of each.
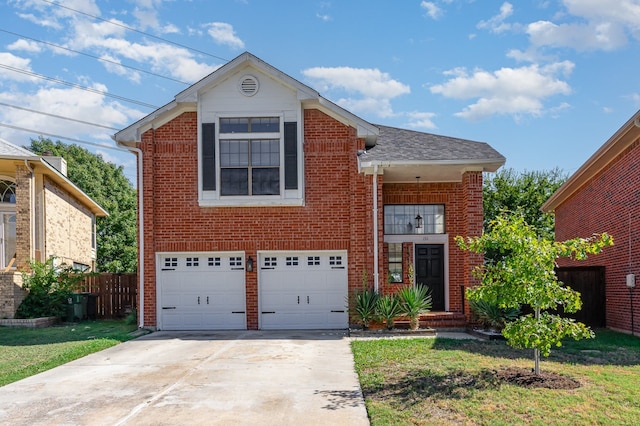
(204, 291)
(307, 294)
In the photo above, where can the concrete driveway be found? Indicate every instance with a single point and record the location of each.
(178, 378)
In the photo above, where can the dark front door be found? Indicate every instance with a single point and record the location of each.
(430, 272)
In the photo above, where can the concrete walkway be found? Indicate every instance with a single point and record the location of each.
(213, 378)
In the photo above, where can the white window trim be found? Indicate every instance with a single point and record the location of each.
(289, 197)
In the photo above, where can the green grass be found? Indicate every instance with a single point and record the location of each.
(28, 351)
(446, 381)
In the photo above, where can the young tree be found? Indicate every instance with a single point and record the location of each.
(107, 185)
(523, 273)
(524, 193)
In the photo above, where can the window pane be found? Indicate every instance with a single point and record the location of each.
(265, 152)
(265, 181)
(234, 153)
(234, 182)
(265, 124)
(401, 219)
(234, 125)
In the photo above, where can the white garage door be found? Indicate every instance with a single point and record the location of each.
(303, 290)
(201, 291)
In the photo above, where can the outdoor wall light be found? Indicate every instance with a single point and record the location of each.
(250, 264)
(418, 221)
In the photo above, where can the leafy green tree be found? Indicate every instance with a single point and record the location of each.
(523, 193)
(524, 274)
(107, 185)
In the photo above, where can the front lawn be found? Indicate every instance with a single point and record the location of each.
(28, 351)
(444, 381)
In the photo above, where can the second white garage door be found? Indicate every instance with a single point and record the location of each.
(201, 291)
(303, 290)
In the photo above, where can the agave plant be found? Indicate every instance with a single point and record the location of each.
(414, 300)
(365, 302)
(387, 308)
(491, 316)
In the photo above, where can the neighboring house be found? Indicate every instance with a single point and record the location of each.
(42, 214)
(264, 205)
(603, 195)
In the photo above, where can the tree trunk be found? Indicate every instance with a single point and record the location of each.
(536, 351)
(414, 323)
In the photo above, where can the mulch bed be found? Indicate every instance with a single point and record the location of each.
(527, 378)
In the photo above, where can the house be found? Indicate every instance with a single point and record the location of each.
(603, 196)
(42, 214)
(264, 205)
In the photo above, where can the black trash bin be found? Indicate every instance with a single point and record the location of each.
(79, 302)
(92, 306)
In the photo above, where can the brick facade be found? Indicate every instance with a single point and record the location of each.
(608, 202)
(11, 293)
(463, 216)
(336, 215)
(68, 227)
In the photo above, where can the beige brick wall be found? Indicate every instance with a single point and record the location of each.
(11, 293)
(24, 191)
(68, 226)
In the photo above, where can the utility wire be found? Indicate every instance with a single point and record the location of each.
(9, 126)
(58, 116)
(77, 86)
(57, 46)
(135, 30)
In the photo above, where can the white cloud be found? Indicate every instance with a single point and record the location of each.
(371, 90)
(66, 102)
(113, 68)
(507, 91)
(224, 34)
(592, 36)
(421, 120)
(433, 10)
(496, 23)
(10, 60)
(324, 17)
(25, 46)
(590, 25)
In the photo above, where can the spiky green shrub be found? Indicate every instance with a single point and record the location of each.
(415, 300)
(364, 306)
(491, 316)
(388, 308)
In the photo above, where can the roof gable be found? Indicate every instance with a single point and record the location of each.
(188, 99)
(607, 153)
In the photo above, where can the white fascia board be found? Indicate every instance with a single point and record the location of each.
(159, 117)
(470, 165)
(364, 129)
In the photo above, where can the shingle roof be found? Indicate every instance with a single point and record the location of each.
(7, 149)
(401, 145)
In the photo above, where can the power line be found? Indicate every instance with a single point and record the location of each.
(77, 86)
(57, 46)
(58, 116)
(62, 137)
(135, 30)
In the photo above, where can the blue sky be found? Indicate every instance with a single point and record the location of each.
(544, 82)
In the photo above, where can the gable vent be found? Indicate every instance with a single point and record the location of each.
(249, 85)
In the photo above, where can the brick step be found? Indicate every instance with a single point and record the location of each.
(436, 320)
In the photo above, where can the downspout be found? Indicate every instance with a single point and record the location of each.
(138, 153)
(376, 277)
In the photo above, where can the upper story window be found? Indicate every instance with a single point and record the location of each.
(7, 191)
(249, 160)
(414, 219)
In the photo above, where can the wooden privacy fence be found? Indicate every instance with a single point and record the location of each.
(115, 295)
(589, 281)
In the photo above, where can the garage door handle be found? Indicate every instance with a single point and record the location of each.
(168, 307)
(237, 269)
(337, 267)
(168, 269)
(337, 311)
(239, 312)
(268, 312)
